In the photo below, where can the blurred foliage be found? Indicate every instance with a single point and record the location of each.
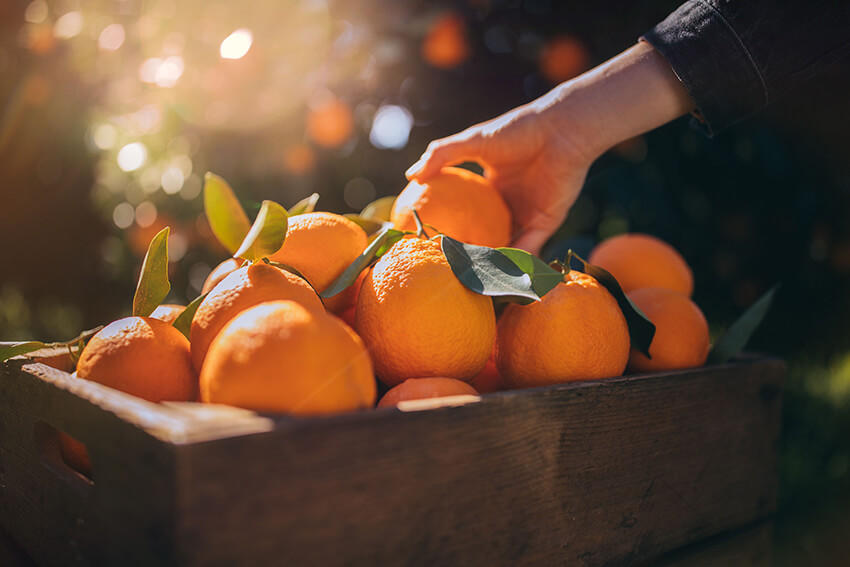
(113, 110)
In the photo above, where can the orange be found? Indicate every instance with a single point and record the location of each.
(240, 290)
(458, 203)
(641, 260)
(321, 246)
(220, 272)
(349, 299)
(445, 45)
(142, 356)
(75, 454)
(488, 380)
(575, 332)
(681, 332)
(418, 320)
(424, 388)
(167, 312)
(280, 356)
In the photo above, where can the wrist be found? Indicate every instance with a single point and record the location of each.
(624, 97)
(572, 117)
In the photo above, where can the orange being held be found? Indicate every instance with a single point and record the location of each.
(418, 320)
(321, 246)
(425, 388)
(681, 332)
(640, 260)
(238, 291)
(458, 203)
(575, 332)
(280, 356)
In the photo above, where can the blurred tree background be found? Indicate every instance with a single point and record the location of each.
(112, 110)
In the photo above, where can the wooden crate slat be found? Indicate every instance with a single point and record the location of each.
(599, 473)
(612, 471)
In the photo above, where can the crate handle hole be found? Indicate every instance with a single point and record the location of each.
(65, 455)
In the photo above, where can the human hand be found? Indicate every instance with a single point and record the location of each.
(538, 155)
(538, 169)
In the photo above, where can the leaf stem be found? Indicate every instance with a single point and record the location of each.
(420, 227)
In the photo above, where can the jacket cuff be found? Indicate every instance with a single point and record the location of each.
(712, 63)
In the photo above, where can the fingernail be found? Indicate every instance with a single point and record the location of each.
(415, 169)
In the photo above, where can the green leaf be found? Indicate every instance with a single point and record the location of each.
(382, 242)
(226, 216)
(488, 271)
(736, 337)
(641, 329)
(394, 236)
(153, 283)
(11, 349)
(305, 205)
(543, 278)
(183, 323)
(267, 233)
(379, 210)
(370, 226)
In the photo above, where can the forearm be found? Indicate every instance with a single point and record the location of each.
(630, 94)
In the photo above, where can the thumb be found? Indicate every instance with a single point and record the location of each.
(448, 151)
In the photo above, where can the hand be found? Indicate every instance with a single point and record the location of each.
(538, 155)
(537, 168)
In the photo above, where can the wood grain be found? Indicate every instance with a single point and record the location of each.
(748, 547)
(600, 473)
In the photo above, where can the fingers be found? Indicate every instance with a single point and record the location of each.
(454, 149)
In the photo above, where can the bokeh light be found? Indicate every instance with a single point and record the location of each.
(563, 58)
(68, 25)
(299, 158)
(123, 215)
(236, 45)
(391, 127)
(132, 156)
(111, 38)
(446, 45)
(145, 214)
(105, 136)
(330, 122)
(169, 71)
(172, 180)
(36, 12)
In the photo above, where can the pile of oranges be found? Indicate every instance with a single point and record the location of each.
(265, 335)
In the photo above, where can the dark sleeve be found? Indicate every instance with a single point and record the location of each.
(735, 56)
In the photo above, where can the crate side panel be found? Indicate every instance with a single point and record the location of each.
(125, 516)
(600, 473)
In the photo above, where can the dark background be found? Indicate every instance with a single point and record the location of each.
(766, 201)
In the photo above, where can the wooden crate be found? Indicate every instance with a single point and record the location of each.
(608, 472)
